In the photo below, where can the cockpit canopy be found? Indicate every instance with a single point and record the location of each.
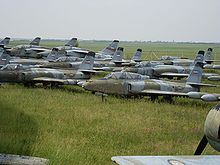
(126, 75)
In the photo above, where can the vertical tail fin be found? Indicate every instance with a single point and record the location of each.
(118, 55)
(88, 61)
(72, 43)
(5, 41)
(53, 55)
(208, 56)
(137, 56)
(195, 75)
(111, 48)
(35, 41)
(199, 58)
(4, 57)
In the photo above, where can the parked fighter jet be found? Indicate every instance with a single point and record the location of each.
(208, 59)
(169, 71)
(150, 87)
(211, 136)
(71, 44)
(4, 57)
(108, 52)
(214, 78)
(30, 50)
(137, 56)
(31, 76)
(118, 61)
(104, 55)
(5, 41)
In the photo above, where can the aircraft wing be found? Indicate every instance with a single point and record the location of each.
(162, 93)
(55, 80)
(88, 71)
(167, 160)
(202, 85)
(38, 50)
(168, 74)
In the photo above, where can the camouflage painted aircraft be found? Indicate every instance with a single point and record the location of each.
(211, 136)
(208, 59)
(170, 71)
(5, 41)
(46, 76)
(214, 78)
(215, 66)
(5, 59)
(118, 61)
(107, 52)
(104, 55)
(70, 45)
(150, 87)
(30, 50)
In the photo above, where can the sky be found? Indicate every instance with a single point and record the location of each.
(132, 20)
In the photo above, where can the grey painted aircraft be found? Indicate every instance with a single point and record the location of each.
(70, 45)
(107, 52)
(5, 41)
(149, 87)
(214, 78)
(29, 50)
(104, 55)
(32, 76)
(170, 71)
(4, 57)
(118, 61)
(211, 136)
(208, 59)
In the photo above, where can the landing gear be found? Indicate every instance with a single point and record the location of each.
(168, 98)
(153, 97)
(29, 85)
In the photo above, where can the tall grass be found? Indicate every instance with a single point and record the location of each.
(71, 126)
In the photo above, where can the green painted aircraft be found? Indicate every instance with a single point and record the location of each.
(150, 87)
(30, 75)
(30, 50)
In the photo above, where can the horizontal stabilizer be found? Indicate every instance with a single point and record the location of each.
(201, 84)
(88, 71)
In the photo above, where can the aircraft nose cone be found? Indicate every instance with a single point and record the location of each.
(212, 127)
(88, 85)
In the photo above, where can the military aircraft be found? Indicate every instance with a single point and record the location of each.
(215, 66)
(208, 59)
(71, 44)
(137, 56)
(104, 55)
(4, 57)
(170, 71)
(150, 87)
(211, 136)
(5, 41)
(46, 76)
(107, 52)
(118, 61)
(32, 50)
(214, 78)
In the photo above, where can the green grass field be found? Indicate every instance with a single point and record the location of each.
(71, 126)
